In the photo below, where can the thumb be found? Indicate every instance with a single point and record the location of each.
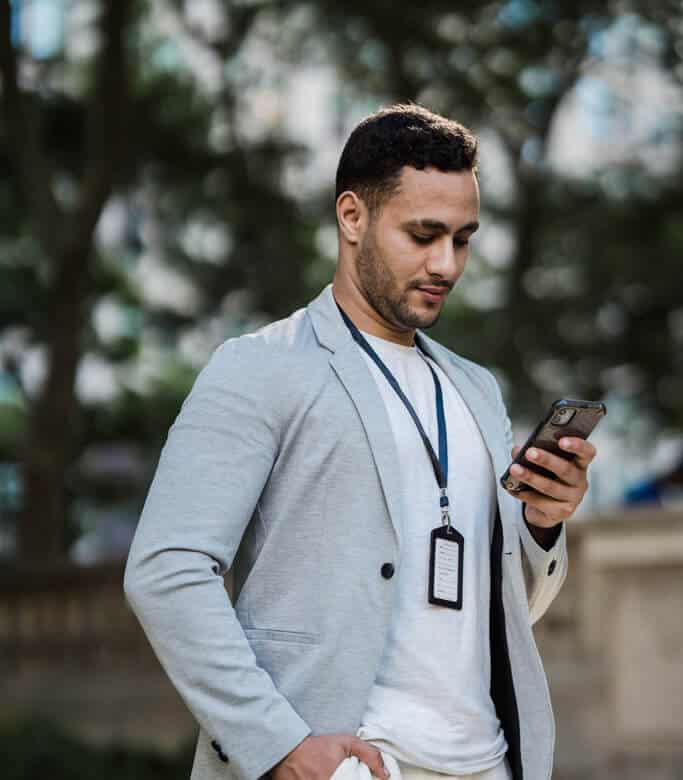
(370, 756)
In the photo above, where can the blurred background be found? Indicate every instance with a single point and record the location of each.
(167, 182)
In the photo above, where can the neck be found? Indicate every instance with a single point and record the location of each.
(365, 317)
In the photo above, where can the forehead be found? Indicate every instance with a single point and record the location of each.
(445, 195)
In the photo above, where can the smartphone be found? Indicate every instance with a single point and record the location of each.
(565, 417)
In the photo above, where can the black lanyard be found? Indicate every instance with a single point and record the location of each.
(440, 463)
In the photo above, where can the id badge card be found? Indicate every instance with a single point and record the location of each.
(446, 555)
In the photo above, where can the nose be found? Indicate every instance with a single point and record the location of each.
(443, 261)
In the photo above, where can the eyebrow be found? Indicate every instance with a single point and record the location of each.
(440, 227)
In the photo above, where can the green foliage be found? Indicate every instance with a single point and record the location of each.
(587, 305)
(12, 430)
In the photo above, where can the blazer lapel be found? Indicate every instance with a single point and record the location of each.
(352, 370)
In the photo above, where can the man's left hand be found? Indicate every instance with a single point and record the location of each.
(556, 499)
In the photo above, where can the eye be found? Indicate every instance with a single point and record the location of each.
(461, 241)
(422, 240)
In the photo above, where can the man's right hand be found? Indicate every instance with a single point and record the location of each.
(316, 758)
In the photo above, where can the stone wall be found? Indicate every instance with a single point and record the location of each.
(71, 649)
(612, 644)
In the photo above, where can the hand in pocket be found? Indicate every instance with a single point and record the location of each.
(318, 758)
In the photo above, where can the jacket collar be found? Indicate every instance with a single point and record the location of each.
(332, 333)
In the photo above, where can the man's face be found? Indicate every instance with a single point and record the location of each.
(415, 250)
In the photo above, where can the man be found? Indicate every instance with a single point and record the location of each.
(345, 467)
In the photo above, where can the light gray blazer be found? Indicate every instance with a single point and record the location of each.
(281, 465)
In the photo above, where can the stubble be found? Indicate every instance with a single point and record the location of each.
(382, 291)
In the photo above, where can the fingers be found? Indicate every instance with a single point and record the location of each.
(554, 500)
(370, 756)
(557, 498)
(549, 511)
(585, 451)
(571, 472)
(565, 470)
(319, 757)
(545, 485)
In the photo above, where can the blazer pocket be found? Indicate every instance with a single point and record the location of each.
(278, 635)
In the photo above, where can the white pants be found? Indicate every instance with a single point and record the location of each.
(352, 768)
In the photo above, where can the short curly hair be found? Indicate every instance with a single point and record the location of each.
(403, 134)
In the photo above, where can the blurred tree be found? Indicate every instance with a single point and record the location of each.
(62, 241)
(129, 125)
(583, 305)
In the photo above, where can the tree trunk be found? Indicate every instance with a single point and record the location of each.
(48, 449)
(49, 445)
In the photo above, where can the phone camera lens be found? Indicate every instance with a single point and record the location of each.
(563, 416)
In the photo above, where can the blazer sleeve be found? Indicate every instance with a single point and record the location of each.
(214, 464)
(544, 570)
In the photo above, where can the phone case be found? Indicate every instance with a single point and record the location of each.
(586, 415)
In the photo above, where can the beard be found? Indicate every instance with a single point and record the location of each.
(382, 292)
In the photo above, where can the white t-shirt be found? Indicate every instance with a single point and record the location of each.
(430, 705)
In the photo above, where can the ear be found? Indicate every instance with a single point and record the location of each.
(352, 216)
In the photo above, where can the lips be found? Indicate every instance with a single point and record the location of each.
(434, 290)
(434, 294)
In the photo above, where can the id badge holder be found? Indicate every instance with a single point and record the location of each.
(446, 556)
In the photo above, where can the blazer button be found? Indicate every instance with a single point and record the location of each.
(552, 566)
(387, 570)
(219, 750)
